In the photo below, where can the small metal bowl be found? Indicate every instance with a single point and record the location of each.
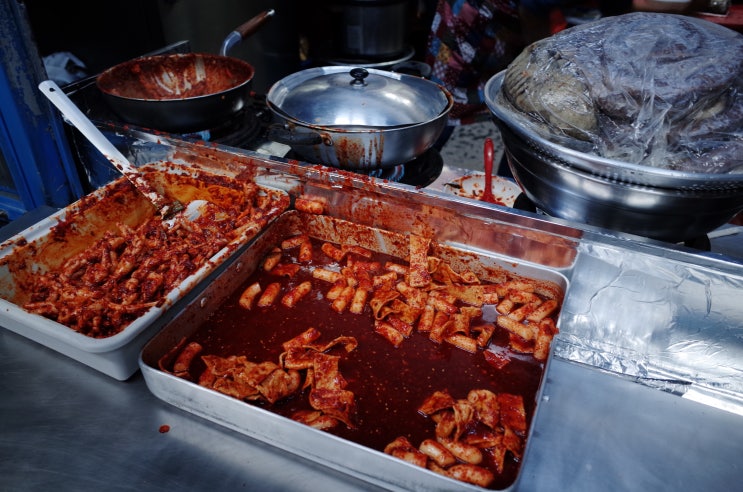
(579, 187)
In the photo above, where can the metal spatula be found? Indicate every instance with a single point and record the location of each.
(163, 205)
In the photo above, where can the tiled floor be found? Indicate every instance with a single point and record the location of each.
(464, 148)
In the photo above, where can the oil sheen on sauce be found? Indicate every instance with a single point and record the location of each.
(389, 383)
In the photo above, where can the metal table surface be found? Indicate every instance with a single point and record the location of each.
(68, 427)
(64, 426)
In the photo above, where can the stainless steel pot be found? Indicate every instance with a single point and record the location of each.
(355, 118)
(371, 28)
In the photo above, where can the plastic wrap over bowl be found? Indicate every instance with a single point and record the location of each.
(647, 144)
(558, 187)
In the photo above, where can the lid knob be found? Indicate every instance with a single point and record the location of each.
(359, 74)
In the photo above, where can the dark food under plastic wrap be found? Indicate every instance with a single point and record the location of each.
(660, 90)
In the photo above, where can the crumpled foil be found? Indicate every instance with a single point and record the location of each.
(662, 322)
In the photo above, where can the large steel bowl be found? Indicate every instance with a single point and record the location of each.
(656, 203)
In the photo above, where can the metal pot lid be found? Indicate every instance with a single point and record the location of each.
(348, 97)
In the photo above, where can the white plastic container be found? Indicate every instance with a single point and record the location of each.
(39, 248)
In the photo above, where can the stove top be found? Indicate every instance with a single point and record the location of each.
(242, 130)
(248, 130)
(420, 172)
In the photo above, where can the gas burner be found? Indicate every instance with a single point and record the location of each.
(420, 172)
(237, 131)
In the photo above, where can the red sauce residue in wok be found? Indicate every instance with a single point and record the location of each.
(177, 76)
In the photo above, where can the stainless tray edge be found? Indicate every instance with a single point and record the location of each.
(361, 462)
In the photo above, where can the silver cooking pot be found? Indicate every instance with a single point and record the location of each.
(356, 118)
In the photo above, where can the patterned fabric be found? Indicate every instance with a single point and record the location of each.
(470, 41)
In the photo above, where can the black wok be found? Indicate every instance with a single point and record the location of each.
(181, 93)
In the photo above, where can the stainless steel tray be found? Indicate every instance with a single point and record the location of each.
(324, 448)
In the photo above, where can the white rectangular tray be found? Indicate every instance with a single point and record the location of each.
(116, 355)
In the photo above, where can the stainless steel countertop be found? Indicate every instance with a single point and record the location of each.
(68, 427)
(64, 426)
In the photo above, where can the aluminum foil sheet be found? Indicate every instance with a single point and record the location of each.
(665, 322)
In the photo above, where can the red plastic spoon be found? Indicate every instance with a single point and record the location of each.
(487, 193)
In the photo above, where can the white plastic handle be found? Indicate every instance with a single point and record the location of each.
(78, 119)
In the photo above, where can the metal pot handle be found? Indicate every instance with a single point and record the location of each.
(281, 134)
(244, 30)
